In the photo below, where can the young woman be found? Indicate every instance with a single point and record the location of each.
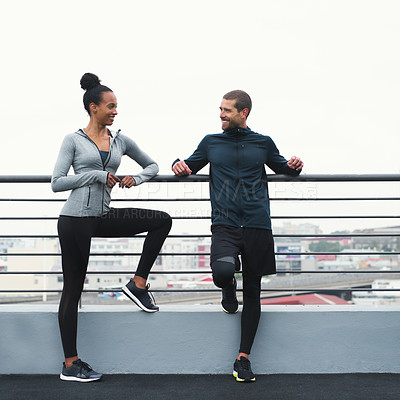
(95, 154)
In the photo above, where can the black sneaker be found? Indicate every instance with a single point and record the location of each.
(229, 301)
(79, 372)
(141, 297)
(242, 370)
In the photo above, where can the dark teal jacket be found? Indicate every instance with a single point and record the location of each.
(238, 181)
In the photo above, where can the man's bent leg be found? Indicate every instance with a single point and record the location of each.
(223, 275)
(223, 271)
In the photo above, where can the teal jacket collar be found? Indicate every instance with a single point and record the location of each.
(238, 131)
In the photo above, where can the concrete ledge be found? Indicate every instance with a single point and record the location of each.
(202, 339)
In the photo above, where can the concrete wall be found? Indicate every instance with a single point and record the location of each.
(203, 339)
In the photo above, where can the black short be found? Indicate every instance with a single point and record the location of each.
(256, 247)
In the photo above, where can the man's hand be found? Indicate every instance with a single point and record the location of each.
(180, 168)
(295, 163)
(127, 182)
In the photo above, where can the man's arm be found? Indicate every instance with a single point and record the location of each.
(279, 164)
(194, 163)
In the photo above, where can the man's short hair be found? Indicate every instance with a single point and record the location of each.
(243, 100)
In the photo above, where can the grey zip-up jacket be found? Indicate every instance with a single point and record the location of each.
(90, 196)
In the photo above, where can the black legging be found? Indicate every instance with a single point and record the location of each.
(75, 235)
(251, 312)
(223, 273)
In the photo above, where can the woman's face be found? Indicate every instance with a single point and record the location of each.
(105, 112)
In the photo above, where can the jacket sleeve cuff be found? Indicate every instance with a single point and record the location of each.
(175, 162)
(103, 177)
(138, 179)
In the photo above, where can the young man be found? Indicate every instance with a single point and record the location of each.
(241, 222)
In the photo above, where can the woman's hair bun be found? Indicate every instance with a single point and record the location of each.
(89, 81)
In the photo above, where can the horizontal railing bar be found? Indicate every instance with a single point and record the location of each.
(158, 178)
(345, 235)
(361, 253)
(333, 198)
(33, 200)
(121, 237)
(207, 199)
(208, 271)
(291, 290)
(319, 235)
(332, 216)
(205, 178)
(113, 200)
(130, 237)
(208, 217)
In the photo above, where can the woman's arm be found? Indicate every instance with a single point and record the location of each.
(150, 167)
(60, 181)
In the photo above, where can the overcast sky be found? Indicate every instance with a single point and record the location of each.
(323, 75)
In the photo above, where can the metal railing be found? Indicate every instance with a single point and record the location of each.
(164, 179)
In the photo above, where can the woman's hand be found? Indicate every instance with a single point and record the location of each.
(112, 180)
(127, 182)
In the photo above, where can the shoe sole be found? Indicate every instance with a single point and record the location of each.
(75, 379)
(229, 312)
(235, 374)
(132, 297)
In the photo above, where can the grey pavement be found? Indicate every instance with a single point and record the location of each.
(205, 387)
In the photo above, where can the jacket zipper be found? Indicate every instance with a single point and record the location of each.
(104, 168)
(88, 200)
(239, 184)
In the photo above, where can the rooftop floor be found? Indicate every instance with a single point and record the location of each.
(188, 387)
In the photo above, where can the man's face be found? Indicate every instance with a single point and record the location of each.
(230, 116)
